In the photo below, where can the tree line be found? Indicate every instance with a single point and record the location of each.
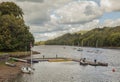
(14, 34)
(98, 37)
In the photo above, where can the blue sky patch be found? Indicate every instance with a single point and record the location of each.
(111, 15)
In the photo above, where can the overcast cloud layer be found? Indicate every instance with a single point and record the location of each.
(51, 18)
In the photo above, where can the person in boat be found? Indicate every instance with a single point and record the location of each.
(84, 59)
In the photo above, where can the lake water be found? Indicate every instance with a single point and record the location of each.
(72, 71)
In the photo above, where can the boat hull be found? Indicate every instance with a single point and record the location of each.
(27, 70)
(10, 64)
(83, 63)
(98, 64)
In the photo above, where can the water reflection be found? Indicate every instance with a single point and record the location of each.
(72, 71)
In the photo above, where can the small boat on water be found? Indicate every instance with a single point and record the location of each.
(10, 64)
(93, 64)
(98, 64)
(103, 64)
(80, 49)
(84, 63)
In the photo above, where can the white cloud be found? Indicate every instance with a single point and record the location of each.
(48, 35)
(78, 12)
(34, 13)
(110, 5)
(37, 13)
(112, 23)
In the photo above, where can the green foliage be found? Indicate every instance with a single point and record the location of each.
(98, 37)
(67, 39)
(14, 34)
(114, 39)
(40, 43)
(10, 8)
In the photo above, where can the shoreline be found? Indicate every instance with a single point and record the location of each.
(7, 73)
(118, 48)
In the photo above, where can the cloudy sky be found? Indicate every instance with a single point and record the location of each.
(51, 18)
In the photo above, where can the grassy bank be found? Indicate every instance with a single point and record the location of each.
(7, 73)
(19, 54)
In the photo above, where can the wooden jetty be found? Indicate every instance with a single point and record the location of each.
(62, 59)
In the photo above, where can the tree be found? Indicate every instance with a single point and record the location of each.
(10, 8)
(14, 34)
(114, 39)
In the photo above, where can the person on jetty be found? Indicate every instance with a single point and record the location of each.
(43, 56)
(56, 56)
(95, 60)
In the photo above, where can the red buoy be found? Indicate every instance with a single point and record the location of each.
(113, 70)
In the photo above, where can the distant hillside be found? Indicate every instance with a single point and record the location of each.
(82, 32)
(67, 39)
(98, 37)
(40, 43)
(102, 37)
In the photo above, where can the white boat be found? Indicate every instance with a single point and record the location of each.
(80, 49)
(10, 64)
(28, 69)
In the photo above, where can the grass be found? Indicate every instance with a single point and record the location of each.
(2, 53)
(2, 63)
(19, 54)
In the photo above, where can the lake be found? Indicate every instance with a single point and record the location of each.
(72, 71)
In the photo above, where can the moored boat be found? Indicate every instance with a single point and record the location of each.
(98, 64)
(83, 63)
(80, 49)
(103, 64)
(93, 64)
(26, 69)
(10, 64)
